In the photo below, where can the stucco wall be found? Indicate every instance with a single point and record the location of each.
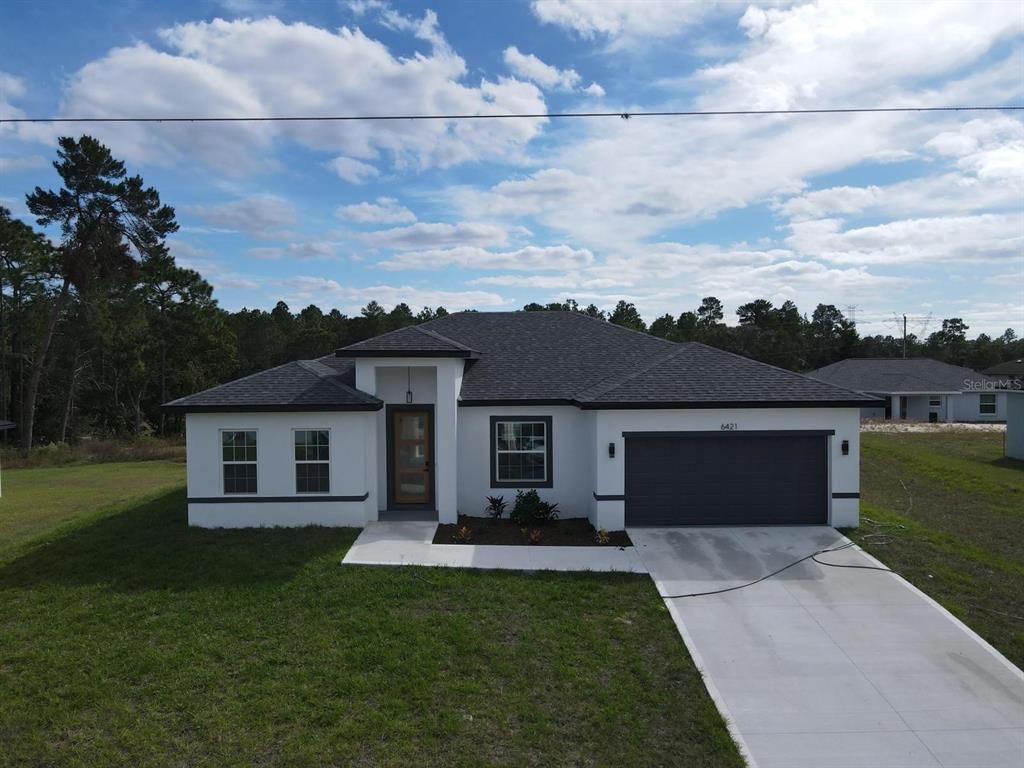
(610, 473)
(350, 432)
(966, 407)
(572, 451)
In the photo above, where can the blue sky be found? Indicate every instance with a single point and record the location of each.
(922, 214)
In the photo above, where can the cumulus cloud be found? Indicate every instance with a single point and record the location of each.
(594, 90)
(325, 292)
(532, 257)
(263, 216)
(529, 67)
(352, 170)
(234, 68)
(303, 251)
(619, 20)
(424, 235)
(385, 210)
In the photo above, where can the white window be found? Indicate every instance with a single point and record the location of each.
(934, 401)
(312, 461)
(987, 405)
(521, 452)
(238, 454)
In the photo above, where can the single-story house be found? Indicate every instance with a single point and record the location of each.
(616, 426)
(919, 389)
(1011, 369)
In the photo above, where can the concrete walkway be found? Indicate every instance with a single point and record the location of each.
(829, 667)
(409, 543)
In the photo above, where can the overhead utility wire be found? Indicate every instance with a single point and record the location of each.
(505, 116)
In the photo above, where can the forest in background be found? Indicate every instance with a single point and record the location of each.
(99, 325)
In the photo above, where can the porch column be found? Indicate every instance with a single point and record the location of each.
(894, 406)
(449, 383)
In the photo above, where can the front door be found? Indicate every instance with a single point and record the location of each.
(411, 460)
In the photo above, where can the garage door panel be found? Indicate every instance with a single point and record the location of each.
(733, 479)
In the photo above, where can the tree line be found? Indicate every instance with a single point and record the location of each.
(99, 325)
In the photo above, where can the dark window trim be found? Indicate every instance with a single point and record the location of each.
(982, 405)
(548, 454)
(223, 480)
(297, 462)
(265, 499)
(845, 495)
(737, 433)
(389, 463)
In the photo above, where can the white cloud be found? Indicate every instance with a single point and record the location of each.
(529, 67)
(262, 216)
(423, 235)
(325, 292)
(303, 251)
(352, 170)
(594, 90)
(619, 19)
(385, 210)
(24, 163)
(532, 257)
(234, 68)
(984, 237)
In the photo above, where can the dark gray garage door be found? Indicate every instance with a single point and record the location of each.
(728, 478)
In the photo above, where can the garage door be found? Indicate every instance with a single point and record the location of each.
(729, 478)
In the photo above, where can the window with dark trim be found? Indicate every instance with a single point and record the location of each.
(238, 455)
(312, 461)
(521, 452)
(934, 401)
(987, 405)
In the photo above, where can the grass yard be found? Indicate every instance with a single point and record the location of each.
(962, 518)
(130, 640)
(37, 501)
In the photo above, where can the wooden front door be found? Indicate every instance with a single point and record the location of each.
(412, 471)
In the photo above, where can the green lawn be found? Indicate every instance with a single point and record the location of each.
(961, 507)
(36, 501)
(129, 639)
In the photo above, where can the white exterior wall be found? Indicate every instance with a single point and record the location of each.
(1015, 425)
(352, 437)
(572, 443)
(967, 404)
(844, 470)
(434, 381)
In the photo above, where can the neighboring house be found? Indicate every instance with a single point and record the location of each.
(920, 389)
(617, 426)
(1012, 370)
(1015, 424)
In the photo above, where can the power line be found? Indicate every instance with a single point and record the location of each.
(504, 116)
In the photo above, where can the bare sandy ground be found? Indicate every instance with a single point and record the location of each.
(924, 426)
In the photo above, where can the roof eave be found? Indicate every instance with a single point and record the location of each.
(725, 404)
(269, 407)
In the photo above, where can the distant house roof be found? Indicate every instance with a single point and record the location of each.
(896, 375)
(536, 358)
(1009, 368)
(327, 384)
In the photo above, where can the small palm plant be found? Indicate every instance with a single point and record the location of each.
(495, 507)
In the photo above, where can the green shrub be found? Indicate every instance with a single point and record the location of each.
(531, 509)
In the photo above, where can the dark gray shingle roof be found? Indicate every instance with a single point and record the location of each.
(569, 357)
(893, 375)
(411, 341)
(326, 384)
(1009, 368)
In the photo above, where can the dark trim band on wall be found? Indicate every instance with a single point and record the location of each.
(845, 495)
(265, 499)
(606, 497)
(737, 433)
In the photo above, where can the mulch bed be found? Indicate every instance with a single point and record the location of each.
(571, 532)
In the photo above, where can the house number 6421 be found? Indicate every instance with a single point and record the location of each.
(729, 426)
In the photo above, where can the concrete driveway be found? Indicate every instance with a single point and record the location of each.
(833, 667)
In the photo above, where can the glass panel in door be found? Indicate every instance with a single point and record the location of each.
(411, 472)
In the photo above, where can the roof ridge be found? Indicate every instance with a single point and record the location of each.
(442, 337)
(618, 379)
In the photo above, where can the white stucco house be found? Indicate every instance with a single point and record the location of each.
(616, 426)
(920, 389)
(1015, 424)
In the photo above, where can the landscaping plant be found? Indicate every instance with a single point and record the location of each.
(495, 507)
(530, 509)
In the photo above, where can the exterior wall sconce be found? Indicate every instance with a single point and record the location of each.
(611, 450)
(846, 447)
(408, 385)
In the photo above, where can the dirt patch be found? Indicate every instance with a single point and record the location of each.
(924, 426)
(572, 532)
